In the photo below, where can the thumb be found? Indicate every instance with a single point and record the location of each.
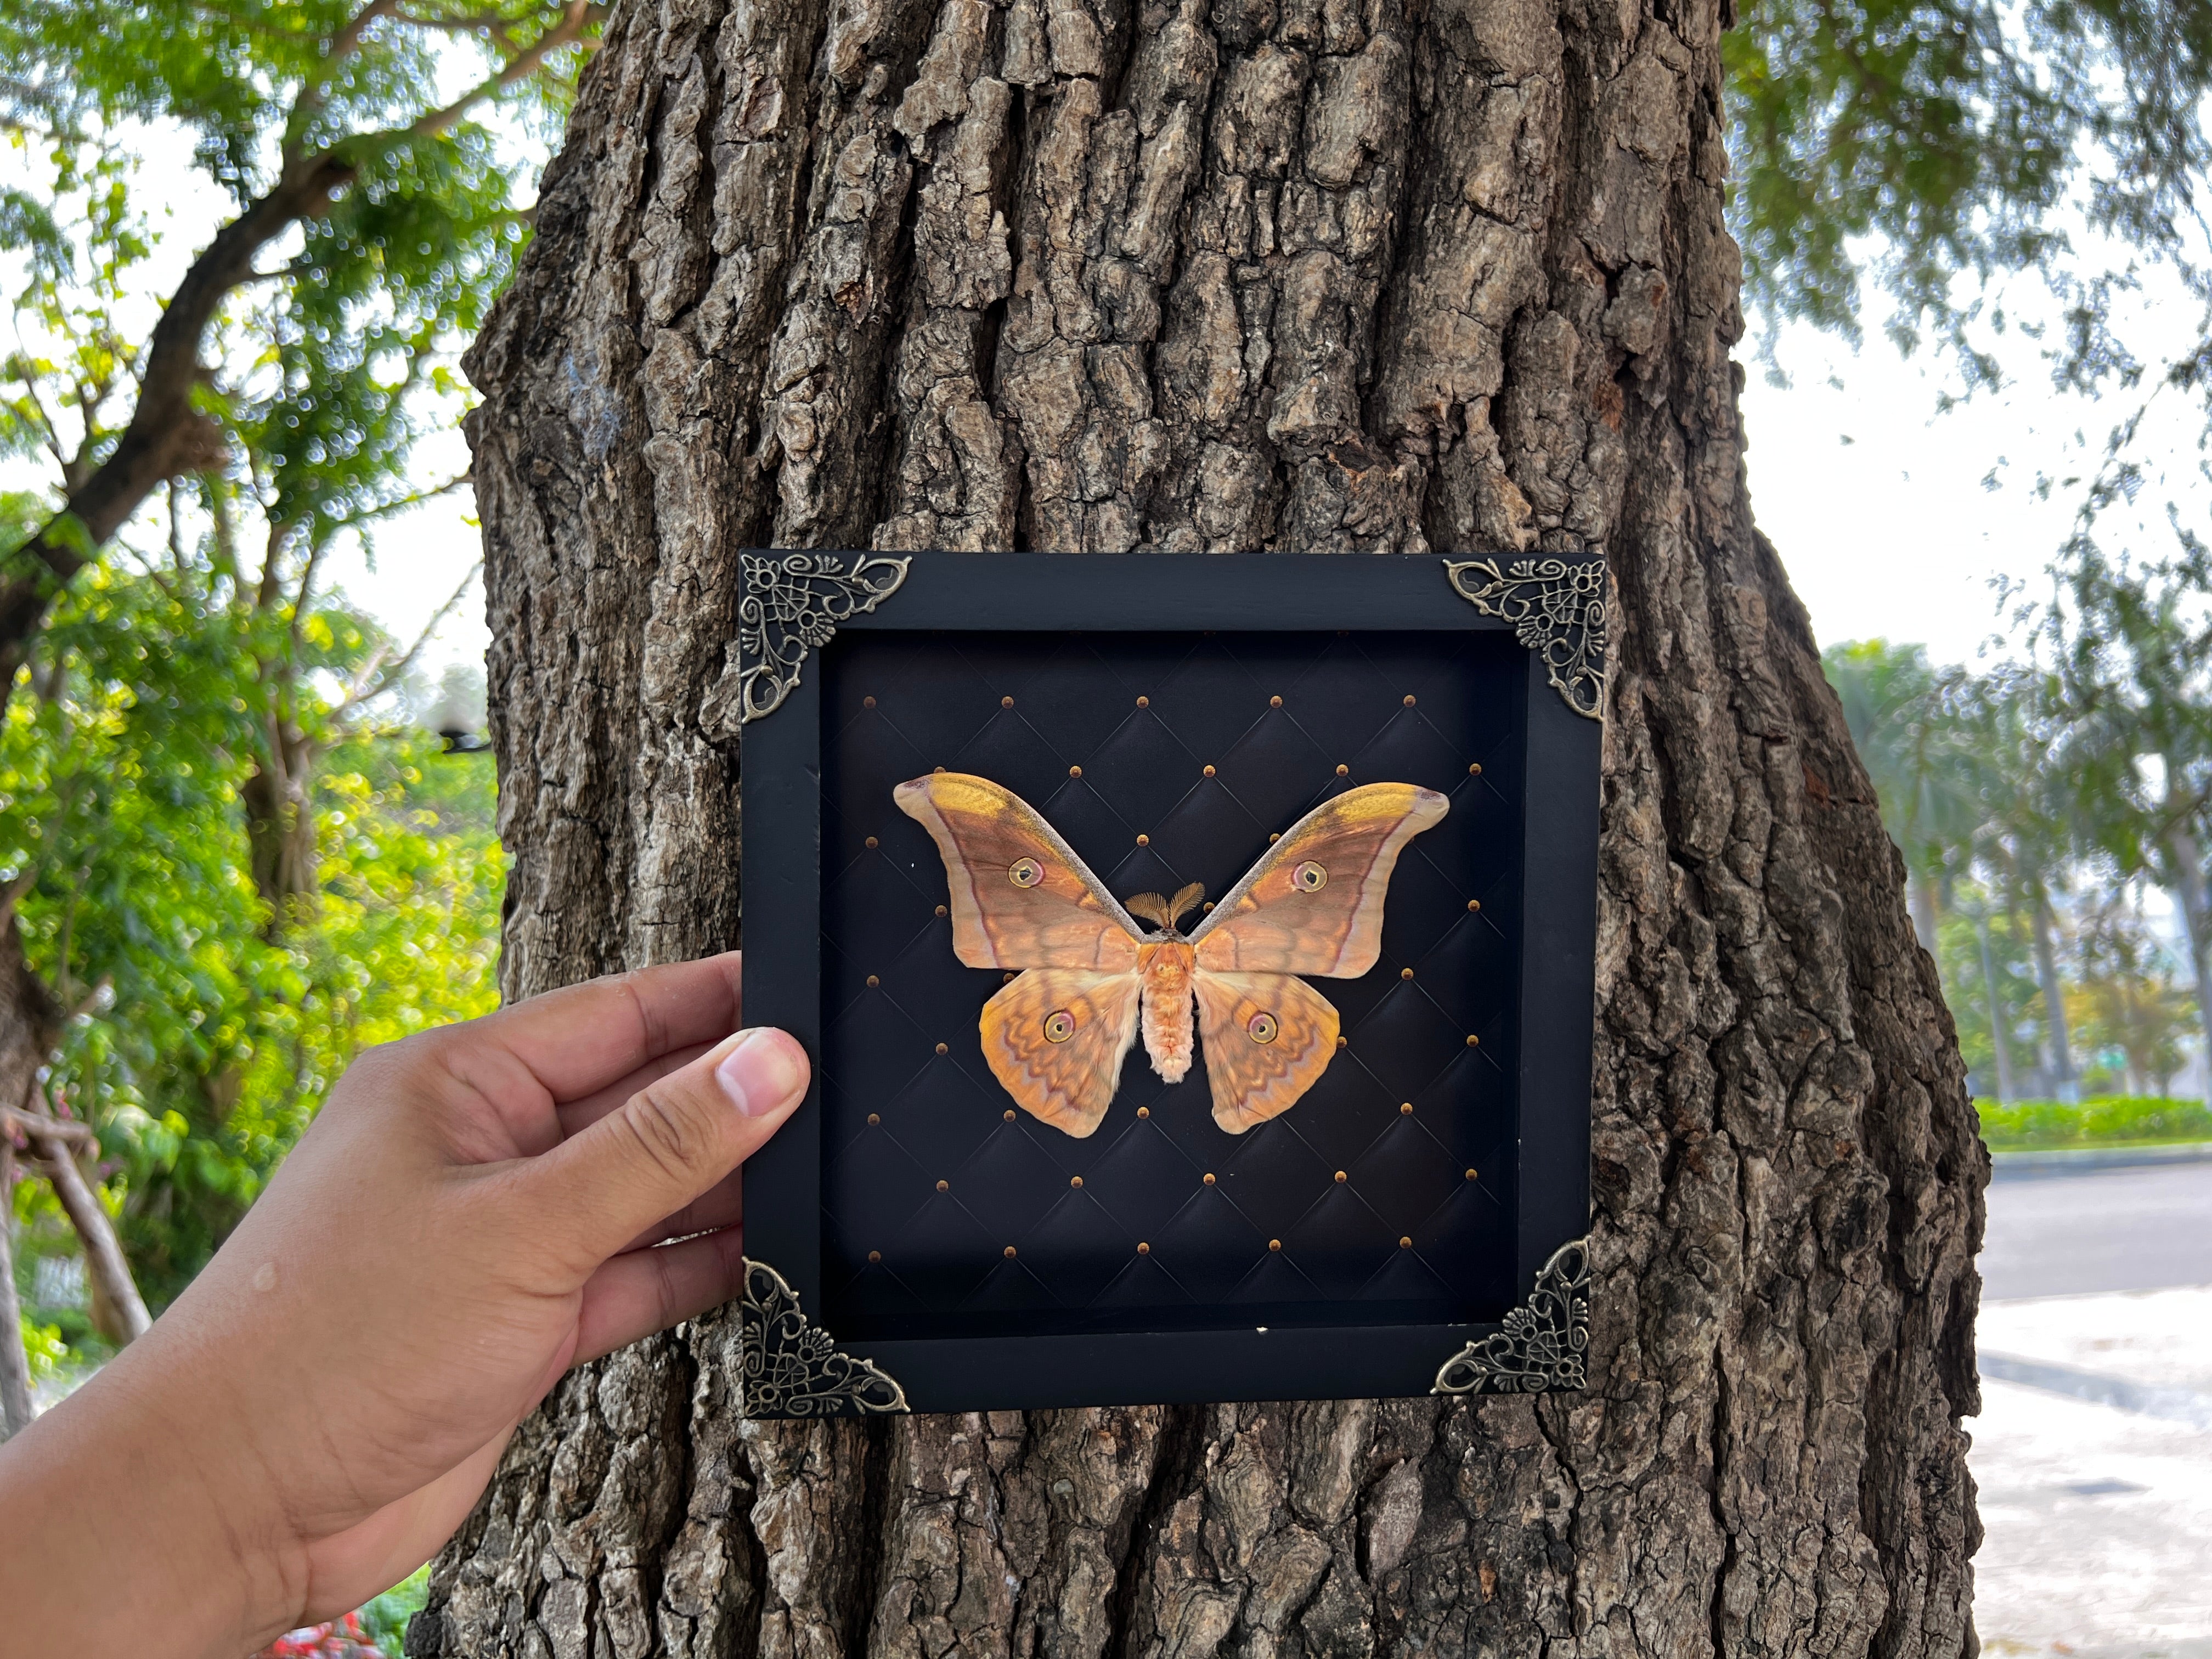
(667, 1144)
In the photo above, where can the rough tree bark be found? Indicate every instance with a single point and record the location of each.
(1332, 275)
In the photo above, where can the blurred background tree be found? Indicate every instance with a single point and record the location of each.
(2133, 1017)
(2033, 809)
(233, 853)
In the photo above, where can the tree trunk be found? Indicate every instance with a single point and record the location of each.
(30, 1018)
(1249, 274)
(118, 1311)
(16, 1406)
(280, 829)
(30, 1021)
(1926, 910)
(2054, 1003)
(2188, 892)
(30, 1025)
(2000, 1045)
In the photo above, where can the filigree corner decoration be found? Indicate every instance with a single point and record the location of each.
(793, 604)
(793, 1369)
(1544, 1343)
(1556, 608)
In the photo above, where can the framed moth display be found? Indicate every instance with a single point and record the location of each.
(1196, 955)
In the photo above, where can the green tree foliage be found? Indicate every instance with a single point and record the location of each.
(1957, 156)
(351, 127)
(2001, 998)
(206, 1038)
(1922, 141)
(2134, 648)
(2132, 1016)
(1932, 153)
(1903, 713)
(227, 858)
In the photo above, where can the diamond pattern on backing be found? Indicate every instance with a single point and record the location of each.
(1143, 769)
(1074, 742)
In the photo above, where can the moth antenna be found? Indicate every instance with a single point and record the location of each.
(1185, 897)
(1151, 906)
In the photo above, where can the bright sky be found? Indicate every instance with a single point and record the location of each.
(1897, 518)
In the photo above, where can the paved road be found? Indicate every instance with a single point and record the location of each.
(2099, 1521)
(2107, 1229)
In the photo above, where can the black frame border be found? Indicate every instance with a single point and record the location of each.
(1539, 1345)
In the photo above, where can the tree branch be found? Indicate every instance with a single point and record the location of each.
(90, 1002)
(578, 16)
(340, 46)
(165, 436)
(272, 576)
(251, 24)
(55, 1148)
(375, 675)
(33, 1126)
(315, 550)
(387, 509)
(46, 422)
(498, 28)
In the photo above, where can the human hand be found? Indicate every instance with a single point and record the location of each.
(475, 1210)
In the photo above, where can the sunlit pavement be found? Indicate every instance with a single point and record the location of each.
(2097, 1516)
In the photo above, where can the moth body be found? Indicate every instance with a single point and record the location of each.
(1170, 1037)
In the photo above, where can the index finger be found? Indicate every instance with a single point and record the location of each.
(583, 1037)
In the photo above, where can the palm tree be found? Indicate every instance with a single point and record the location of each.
(2134, 650)
(2016, 728)
(1904, 717)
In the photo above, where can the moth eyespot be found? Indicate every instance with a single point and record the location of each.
(1059, 1026)
(1309, 877)
(1025, 873)
(1261, 1028)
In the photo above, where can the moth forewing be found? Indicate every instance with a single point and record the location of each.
(1313, 903)
(1019, 895)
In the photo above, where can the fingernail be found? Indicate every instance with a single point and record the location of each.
(762, 1074)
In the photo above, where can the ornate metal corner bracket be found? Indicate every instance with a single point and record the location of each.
(1545, 1343)
(793, 604)
(1557, 609)
(793, 1369)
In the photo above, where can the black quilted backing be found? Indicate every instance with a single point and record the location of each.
(1349, 1208)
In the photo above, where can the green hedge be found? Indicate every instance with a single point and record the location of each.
(2104, 1121)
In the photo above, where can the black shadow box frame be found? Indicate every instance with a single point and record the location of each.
(1415, 1224)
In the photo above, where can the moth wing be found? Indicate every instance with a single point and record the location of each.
(1269, 923)
(1062, 919)
(1068, 1083)
(1254, 1080)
